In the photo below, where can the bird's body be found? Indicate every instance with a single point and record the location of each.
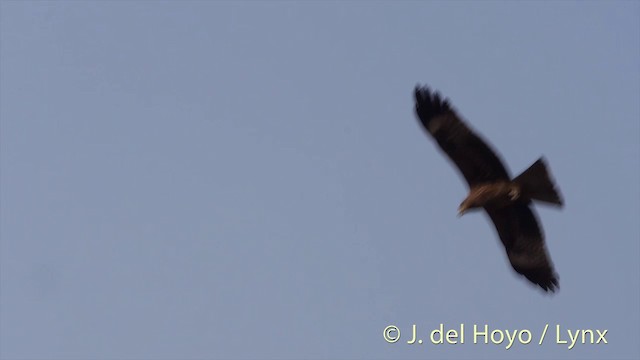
(507, 201)
(494, 195)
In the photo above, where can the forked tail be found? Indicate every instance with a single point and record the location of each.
(536, 184)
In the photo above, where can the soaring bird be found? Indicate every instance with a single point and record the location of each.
(508, 201)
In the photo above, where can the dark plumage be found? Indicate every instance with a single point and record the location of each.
(507, 201)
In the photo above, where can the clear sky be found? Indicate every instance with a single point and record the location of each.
(237, 180)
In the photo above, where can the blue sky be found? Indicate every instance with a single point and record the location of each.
(208, 180)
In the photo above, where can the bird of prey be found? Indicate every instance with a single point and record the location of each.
(507, 201)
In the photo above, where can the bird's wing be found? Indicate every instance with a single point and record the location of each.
(475, 159)
(524, 242)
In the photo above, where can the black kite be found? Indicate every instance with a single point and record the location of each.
(507, 201)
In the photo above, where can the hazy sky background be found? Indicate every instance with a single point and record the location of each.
(204, 180)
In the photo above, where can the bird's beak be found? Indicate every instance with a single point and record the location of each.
(461, 211)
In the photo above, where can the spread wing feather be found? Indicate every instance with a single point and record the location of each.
(476, 161)
(523, 240)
